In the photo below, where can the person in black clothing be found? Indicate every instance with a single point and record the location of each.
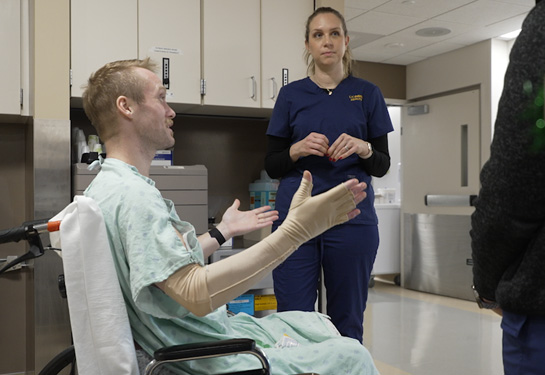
(508, 225)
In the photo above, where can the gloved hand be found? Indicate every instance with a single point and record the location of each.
(310, 216)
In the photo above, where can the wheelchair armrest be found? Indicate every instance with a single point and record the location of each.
(207, 349)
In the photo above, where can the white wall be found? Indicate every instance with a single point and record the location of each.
(500, 60)
(392, 178)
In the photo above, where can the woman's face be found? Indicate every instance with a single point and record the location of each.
(326, 40)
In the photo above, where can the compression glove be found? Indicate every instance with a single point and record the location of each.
(203, 289)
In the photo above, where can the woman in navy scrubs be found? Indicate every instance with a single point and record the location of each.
(334, 125)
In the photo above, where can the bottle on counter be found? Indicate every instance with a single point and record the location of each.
(263, 191)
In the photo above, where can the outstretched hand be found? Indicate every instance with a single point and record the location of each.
(310, 215)
(356, 188)
(236, 223)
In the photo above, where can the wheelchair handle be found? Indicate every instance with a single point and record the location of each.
(27, 230)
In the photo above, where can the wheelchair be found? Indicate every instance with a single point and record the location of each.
(67, 361)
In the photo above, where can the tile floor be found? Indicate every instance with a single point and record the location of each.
(413, 333)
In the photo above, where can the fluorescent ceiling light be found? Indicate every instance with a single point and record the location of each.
(511, 35)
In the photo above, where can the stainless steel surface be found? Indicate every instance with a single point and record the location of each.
(51, 145)
(437, 254)
(449, 200)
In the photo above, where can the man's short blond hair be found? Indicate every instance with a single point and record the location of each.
(113, 80)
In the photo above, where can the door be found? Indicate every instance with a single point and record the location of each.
(440, 172)
(440, 152)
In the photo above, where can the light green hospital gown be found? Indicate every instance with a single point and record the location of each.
(146, 249)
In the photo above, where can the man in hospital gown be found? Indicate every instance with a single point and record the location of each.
(171, 296)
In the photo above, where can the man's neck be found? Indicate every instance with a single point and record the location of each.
(133, 156)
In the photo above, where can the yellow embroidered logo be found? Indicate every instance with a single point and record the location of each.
(356, 98)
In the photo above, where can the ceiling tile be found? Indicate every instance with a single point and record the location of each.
(436, 49)
(402, 60)
(455, 29)
(483, 13)
(364, 4)
(350, 13)
(527, 3)
(381, 23)
(373, 24)
(421, 8)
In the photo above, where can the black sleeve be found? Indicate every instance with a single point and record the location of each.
(277, 160)
(379, 163)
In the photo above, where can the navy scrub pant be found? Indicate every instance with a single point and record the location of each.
(523, 344)
(346, 253)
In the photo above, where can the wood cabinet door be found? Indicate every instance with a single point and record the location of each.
(282, 45)
(10, 40)
(101, 31)
(231, 52)
(169, 33)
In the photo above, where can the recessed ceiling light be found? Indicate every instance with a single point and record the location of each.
(408, 2)
(433, 31)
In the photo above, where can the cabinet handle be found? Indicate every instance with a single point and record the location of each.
(253, 87)
(273, 88)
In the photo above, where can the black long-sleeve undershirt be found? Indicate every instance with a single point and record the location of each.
(278, 161)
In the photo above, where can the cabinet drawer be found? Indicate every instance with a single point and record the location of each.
(196, 197)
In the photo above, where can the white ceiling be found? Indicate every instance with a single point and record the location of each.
(384, 30)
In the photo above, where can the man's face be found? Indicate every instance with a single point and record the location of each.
(155, 117)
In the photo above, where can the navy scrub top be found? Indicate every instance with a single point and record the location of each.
(355, 107)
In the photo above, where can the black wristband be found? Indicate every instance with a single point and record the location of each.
(215, 233)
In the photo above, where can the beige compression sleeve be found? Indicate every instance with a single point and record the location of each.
(203, 289)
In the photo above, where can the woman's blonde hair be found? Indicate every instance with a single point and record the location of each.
(347, 58)
(113, 80)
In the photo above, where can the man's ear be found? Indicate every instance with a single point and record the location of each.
(123, 106)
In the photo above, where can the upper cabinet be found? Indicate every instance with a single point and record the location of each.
(231, 53)
(251, 49)
(10, 40)
(101, 31)
(282, 45)
(216, 53)
(169, 33)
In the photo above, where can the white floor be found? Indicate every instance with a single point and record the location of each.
(413, 333)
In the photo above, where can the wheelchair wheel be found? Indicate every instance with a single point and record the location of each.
(63, 363)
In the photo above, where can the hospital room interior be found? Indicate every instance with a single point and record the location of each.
(440, 66)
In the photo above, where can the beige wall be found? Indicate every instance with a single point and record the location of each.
(391, 79)
(51, 68)
(335, 4)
